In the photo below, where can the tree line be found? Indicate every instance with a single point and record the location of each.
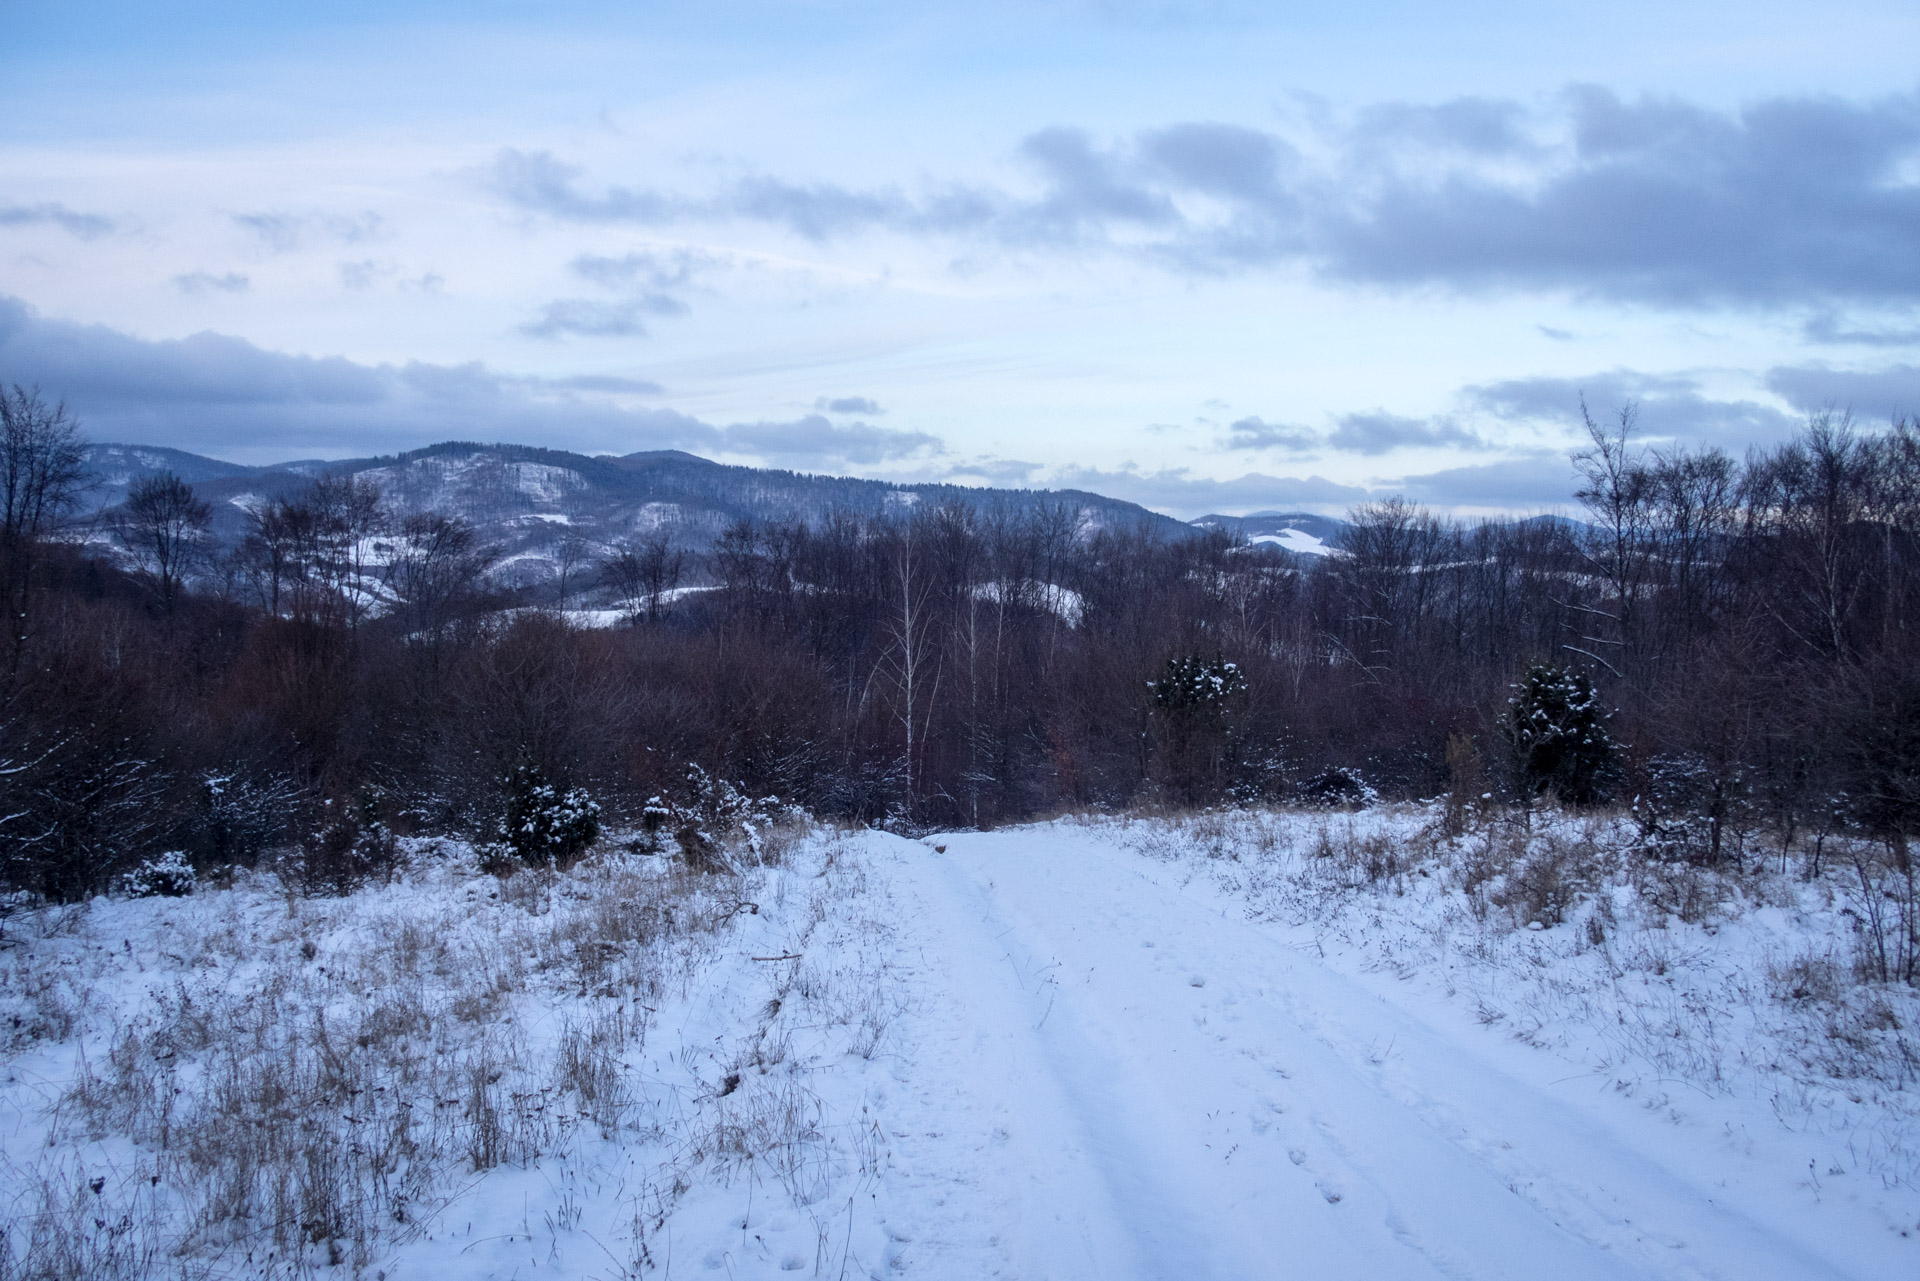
(1726, 644)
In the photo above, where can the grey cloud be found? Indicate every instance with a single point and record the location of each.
(1180, 492)
(286, 232)
(848, 405)
(995, 471)
(610, 383)
(1671, 406)
(1481, 126)
(1088, 189)
(816, 211)
(1791, 201)
(212, 393)
(655, 270)
(1221, 160)
(199, 282)
(815, 438)
(1656, 200)
(217, 394)
(1536, 481)
(536, 180)
(1828, 329)
(594, 318)
(84, 225)
(1257, 433)
(362, 274)
(1873, 395)
(1380, 432)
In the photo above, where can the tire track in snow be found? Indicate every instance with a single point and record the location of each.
(1243, 1119)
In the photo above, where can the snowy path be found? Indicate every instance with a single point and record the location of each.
(1110, 1078)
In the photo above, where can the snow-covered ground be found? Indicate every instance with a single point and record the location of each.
(1240, 1045)
(1295, 540)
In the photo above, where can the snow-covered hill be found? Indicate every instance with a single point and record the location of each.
(527, 501)
(1301, 532)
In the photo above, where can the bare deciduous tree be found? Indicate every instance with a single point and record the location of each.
(42, 474)
(163, 526)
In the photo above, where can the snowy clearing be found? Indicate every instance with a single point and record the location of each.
(1295, 540)
(1236, 1045)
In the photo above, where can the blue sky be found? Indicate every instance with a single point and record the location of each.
(1207, 256)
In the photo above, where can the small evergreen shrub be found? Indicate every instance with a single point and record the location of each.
(1194, 701)
(1338, 788)
(168, 876)
(1558, 736)
(543, 823)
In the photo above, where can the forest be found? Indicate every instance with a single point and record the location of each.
(1726, 647)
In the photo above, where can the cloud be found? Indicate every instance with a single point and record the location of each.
(362, 274)
(655, 270)
(535, 180)
(221, 394)
(1657, 200)
(993, 470)
(199, 282)
(815, 438)
(1789, 201)
(1672, 406)
(603, 383)
(1179, 492)
(848, 405)
(84, 225)
(212, 393)
(594, 318)
(1535, 481)
(1827, 328)
(1476, 126)
(1380, 432)
(1257, 433)
(287, 232)
(1874, 396)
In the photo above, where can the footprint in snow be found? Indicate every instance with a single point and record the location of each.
(1327, 1190)
(1198, 980)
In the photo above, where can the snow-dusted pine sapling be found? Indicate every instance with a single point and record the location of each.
(1558, 736)
(1194, 701)
(168, 876)
(543, 824)
(1339, 787)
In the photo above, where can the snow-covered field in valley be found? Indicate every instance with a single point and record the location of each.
(1234, 1045)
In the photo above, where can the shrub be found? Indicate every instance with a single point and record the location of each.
(1338, 788)
(1194, 704)
(543, 823)
(1558, 735)
(168, 876)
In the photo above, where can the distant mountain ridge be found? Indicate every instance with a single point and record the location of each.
(526, 499)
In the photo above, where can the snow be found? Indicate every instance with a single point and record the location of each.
(1202, 1048)
(1063, 602)
(1294, 540)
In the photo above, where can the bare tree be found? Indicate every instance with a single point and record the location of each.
(42, 474)
(568, 555)
(1616, 489)
(644, 582)
(435, 567)
(162, 526)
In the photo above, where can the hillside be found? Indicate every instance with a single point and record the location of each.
(525, 499)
